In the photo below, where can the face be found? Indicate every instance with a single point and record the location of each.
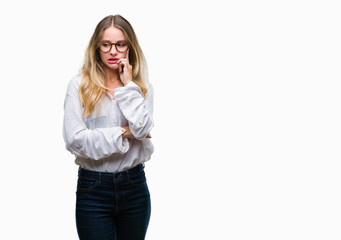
(110, 59)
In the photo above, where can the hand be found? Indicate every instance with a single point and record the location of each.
(125, 70)
(128, 134)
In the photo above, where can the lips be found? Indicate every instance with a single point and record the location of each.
(113, 60)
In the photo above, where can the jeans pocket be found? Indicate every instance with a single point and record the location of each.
(138, 179)
(86, 184)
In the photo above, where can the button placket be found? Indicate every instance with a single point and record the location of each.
(113, 113)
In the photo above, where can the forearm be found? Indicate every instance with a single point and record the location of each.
(128, 133)
(136, 109)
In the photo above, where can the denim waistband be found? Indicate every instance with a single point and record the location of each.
(93, 174)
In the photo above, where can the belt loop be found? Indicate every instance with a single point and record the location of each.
(99, 176)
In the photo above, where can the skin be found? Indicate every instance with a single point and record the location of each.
(119, 73)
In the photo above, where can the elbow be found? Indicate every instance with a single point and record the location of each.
(140, 130)
(96, 146)
(79, 149)
(73, 145)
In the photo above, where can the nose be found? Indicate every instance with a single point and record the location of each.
(113, 50)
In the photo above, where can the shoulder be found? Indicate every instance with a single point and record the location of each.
(74, 84)
(149, 85)
(76, 81)
(150, 88)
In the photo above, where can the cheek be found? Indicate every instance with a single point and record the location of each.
(102, 56)
(121, 55)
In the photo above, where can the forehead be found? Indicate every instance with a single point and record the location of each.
(113, 34)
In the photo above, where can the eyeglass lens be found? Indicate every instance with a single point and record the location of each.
(120, 46)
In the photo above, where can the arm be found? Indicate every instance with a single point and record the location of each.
(136, 109)
(81, 141)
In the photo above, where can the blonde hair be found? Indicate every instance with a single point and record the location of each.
(93, 87)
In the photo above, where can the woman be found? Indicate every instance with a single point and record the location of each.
(107, 124)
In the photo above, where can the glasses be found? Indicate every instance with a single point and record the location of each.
(105, 46)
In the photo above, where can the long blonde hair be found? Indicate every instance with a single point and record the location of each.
(93, 87)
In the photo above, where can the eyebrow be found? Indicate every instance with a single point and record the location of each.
(110, 41)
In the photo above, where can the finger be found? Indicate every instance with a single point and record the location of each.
(149, 136)
(127, 57)
(121, 66)
(122, 62)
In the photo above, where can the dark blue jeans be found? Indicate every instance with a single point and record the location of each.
(113, 206)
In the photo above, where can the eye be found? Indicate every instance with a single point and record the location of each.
(105, 44)
(121, 44)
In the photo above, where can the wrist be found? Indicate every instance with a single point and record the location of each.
(126, 82)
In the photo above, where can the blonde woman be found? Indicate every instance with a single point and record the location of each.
(107, 122)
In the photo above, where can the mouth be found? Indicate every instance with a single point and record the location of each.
(113, 60)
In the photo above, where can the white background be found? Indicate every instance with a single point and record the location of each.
(247, 116)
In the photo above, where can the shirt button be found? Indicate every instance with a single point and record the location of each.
(113, 98)
(140, 123)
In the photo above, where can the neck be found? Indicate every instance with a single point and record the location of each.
(112, 79)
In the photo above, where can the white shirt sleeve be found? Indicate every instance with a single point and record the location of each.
(136, 109)
(83, 142)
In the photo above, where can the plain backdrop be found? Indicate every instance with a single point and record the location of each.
(247, 116)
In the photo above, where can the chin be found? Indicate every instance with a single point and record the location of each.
(113, 67)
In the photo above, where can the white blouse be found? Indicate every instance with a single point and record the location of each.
(97, 141)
